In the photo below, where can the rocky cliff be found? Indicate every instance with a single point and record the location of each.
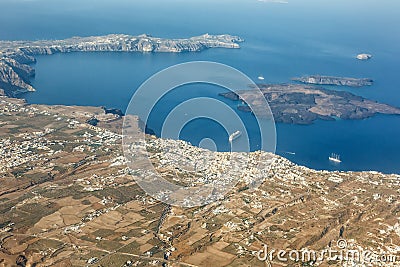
(16, 55)
(331, 80)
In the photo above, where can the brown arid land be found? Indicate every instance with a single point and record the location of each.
(67, 198)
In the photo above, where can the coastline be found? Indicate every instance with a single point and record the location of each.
(306, 159)
(15, 56)
(94, 183)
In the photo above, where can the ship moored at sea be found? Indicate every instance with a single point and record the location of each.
(234, 136)
(335, 158)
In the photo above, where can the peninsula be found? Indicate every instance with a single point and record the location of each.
(304, 104)
(331, 80)
(15, 56)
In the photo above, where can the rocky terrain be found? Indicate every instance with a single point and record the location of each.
(68, 199)
(364, 56)
(16, 55)
(331, 80)
(302, 104)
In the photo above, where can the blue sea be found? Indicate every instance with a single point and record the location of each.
(282, 40)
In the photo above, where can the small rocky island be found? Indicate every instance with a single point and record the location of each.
(331, 80)
(364, 56)
(15, 56)
(304, 104)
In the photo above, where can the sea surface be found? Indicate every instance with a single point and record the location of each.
(282, 40)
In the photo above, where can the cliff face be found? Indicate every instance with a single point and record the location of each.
(330, 80)
(15, 55)
(14, 77)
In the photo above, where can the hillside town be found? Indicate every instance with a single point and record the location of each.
(69, 199)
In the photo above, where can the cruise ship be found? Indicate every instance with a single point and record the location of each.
(234, 136)
(335, 158)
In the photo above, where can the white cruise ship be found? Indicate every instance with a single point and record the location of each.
(234, 136)
(335, 158)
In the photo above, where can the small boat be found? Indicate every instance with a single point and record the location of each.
(234, 136)
(335, 158)
(261, 78)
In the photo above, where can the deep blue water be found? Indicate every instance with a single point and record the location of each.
(282, 41)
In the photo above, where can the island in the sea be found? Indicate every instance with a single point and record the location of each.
(332, 80)
(15, 56)
(304, 104)
(364, 56)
